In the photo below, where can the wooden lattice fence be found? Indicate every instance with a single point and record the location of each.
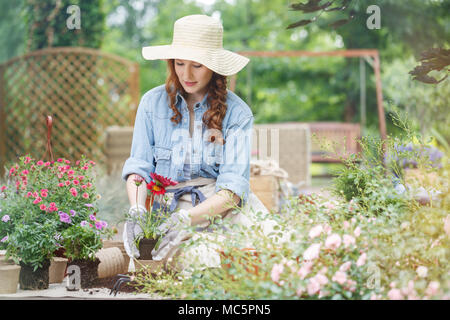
(84, 90)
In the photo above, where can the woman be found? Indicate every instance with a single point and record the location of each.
(194, 131)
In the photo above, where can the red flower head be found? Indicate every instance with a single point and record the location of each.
(160, 183)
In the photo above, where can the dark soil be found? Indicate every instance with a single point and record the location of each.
(145, 248)
(109, 282)
(34, 280)
(88, 270)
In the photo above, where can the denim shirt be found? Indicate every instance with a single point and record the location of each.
(159, 145)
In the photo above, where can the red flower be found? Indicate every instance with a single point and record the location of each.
(155, 189)
(165, 182)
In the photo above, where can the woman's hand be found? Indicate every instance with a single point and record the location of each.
(173, 231)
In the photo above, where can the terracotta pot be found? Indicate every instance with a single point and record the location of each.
(111, 262)
(145, 248)
(118, 244)
(57, 270)
(9, 278)
(3, 260)
(30, 279)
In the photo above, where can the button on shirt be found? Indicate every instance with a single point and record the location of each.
(166, 148)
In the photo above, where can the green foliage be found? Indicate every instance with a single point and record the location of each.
(82, 242)
(32, 243)
(46, 24)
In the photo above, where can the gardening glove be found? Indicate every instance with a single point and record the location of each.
(174, 231)
(132, 230)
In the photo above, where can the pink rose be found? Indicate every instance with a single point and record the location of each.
(345, 266)
(422, 271)
(348, 240)
(312, 252)
(333, 241)
(433, 288)
(340, 277)
(321, 279)
(316, 231)
(361, 260)
(357, 232)
(313, 286)
(395, 294)
(277, 270)
(305, 269)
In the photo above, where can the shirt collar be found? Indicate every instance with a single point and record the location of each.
(179, 98)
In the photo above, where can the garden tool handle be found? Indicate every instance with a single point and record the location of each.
(49, 121)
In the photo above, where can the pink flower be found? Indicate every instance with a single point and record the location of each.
(27, 160)
(357, 232)
(327, 229)
(348, 240)
(76, 182)
(3, 188)
(339, 277)
(80, 178)
(29, 194)
(67, 183)
(47, 163)
(44, 193)
(60, 184)
(305, 269)
(83, 186)
(361, 260)
(316, 231)
(300, 291)
(320, 279)
(89, 184)
(43, 207)
(433, 288)
(70, 172)
(333, 241)
(313, 286)
(68, 161)
(85, 195)
(422, 271)
(277, 270)
(345, 266)
(72, 190)
(37, 200)
(60, 160)
(25, 172)
(395, 294)
(312, 252)
(40, 163)
(346, 224)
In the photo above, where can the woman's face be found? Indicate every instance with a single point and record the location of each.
(193, 76)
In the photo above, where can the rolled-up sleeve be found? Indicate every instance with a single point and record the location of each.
(141, 156)
(234, 171)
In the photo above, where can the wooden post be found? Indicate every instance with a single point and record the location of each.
(2, 121)
(134, 91)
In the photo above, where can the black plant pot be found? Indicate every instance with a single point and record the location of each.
(145, 248)
(34, 280)
(88, 271)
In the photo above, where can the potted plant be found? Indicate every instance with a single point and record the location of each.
(81, 242)
(31, 245)
(57, 194)
(157, 212)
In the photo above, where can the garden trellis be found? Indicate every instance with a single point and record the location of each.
(338, 130)
(83, 89)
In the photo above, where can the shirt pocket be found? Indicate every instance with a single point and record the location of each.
(212, 156)
(162, 159)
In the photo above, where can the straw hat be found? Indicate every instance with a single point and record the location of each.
(199, 38)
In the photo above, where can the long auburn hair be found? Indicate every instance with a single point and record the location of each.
(216, 100)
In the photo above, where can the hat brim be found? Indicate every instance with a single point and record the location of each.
(221, 61)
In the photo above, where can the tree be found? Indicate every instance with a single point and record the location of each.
(46, 24)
